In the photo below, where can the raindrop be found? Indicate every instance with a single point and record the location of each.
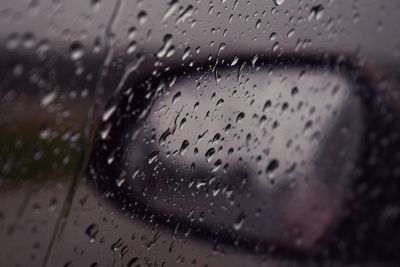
(185, 14)
(183, 121)
(131, 33)
(132, 261)
(239, 117)
(272, 37)
(267, 105)
(165, 47)
(111, 158)
(48, 99)
(176, 97)
(142, 17)
(120, 181)
(316, 12)
(278, 2)
(216, 138)
(235, 61)
(76, 50)
(275, 46)
(173, 6)
(209, 154)
(164, 136)
(239, 222)
(95, 4)
(107, 114)
(131, 47)
(272, 166)
(91, 231)
(186, 54)
(153, 156)
(227, 128)
(290, 33)
(258, 24)
(184, 146)
(295, 91)
(217, 165)
(221, 47)
(117, 245)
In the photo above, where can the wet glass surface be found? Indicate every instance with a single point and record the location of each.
(199, 133)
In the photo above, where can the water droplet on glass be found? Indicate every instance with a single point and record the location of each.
(76, 50)
(120, 181)
(48, 99)
(290, 33)
(210, 152)
(132, 261)
(166, 46)
(117, 245)
(239, 222)
(131, 47)
(173, 6)
(186, 54)
(272, 166)
(267, 105)
(188, 12)
(278, 2)
(95, 4)
(107, 114)
(217, 165)
(272, 37)
(258, 24)
(91, 231)
(184, 146)
(316, 12)
(235, 61)
(275, 46)
(239, 117)
(142, 17)
(164, 136)
(176, 97)
(295, 91)
(153, 156)
(131, 33)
